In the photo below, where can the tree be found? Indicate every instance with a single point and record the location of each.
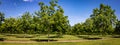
(26, 22)
(83, 28)
(8, 26)
(104, 19)
(44, 15)
(61, 23)
(117, 29)
(1, 18)
(88, 26)
(77, 29)
(52, 19)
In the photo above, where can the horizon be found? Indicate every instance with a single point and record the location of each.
(76, 10)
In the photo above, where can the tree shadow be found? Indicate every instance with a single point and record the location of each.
(43, 40)
(90, 37)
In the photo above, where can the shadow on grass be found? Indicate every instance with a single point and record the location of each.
(93, 38)
(2, 39)
(90, 37)
(116, 36)
(55, 36)
(43, 40)
(13, 35)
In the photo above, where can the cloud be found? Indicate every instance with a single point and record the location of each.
(27, 0)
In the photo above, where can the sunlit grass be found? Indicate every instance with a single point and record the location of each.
(94, 42)
(106, 40)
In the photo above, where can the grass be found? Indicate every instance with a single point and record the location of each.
(22, 37)
(106, 40)
(114, 41)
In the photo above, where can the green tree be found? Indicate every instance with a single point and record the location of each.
(61, 23)
(104, 19)
(8, 26)
(1, 18)
(44, 15)
(117, 29)
(26, 22)
(52, 18)
(88, 26)
(77, 29)
(83, 28)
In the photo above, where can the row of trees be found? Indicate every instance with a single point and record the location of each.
(51, 19)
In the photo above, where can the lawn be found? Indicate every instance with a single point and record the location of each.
(106, 40)
(95, 42)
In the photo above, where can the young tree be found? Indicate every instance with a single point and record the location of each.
(44, 15)
(52, 18)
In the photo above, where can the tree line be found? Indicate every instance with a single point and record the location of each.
(50, 19)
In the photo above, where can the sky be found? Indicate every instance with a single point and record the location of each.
(76, 10)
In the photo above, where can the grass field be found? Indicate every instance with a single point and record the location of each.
(106, 40)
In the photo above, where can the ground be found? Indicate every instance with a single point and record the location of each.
(13, 39)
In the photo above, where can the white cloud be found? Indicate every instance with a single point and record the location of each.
(27, 0)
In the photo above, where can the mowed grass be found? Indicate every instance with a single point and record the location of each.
(14, 37)
(114, 41)
(106, 40)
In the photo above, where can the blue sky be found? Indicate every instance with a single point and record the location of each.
(76, 10)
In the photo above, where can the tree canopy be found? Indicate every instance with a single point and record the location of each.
(50, 19)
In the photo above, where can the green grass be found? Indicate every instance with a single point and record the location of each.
(14, 37)
(94, 42)
(106, 40)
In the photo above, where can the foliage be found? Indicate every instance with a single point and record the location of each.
(117, 28)
(50, 19)
(1, 18)
(102, 21)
